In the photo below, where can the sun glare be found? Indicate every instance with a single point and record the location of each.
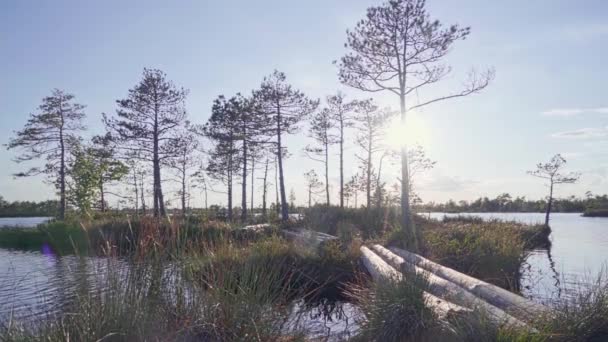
(414, 132)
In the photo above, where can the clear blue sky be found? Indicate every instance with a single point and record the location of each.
(549, 95)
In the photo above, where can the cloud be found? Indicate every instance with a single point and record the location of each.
(575, 111)
(583, 133)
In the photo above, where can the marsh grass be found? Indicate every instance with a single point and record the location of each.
(393, 310)
(359, 222)
(185, 281)
(247, 300)
(120, 236)
(492, 251)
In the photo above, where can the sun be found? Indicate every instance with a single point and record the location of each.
(414, 132)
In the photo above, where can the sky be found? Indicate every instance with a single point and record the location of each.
(548, 96)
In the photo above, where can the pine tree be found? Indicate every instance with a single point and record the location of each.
(285, 107)
(340, 112)
(398, 48)
(146, 123)
(321, 127)
(51, 134)
(223, 130)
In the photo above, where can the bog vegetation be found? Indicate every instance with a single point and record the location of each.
(176, 272)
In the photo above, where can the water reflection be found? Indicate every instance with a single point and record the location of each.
(34, 284)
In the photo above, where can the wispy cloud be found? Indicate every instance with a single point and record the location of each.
(575, 111)
(583, 133)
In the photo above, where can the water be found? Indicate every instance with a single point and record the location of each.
(23, 222)
(35, 283)
(577, 257)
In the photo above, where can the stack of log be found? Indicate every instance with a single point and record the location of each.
(450, 292)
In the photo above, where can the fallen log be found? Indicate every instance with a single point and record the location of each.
(449, 291)
(307, 237)
(513, 304)
(256, 227)
(382, 272)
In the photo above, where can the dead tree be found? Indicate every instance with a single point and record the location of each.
(551, 173)
(312, 184)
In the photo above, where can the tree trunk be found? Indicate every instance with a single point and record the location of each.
(184, 191)
(448, 290)
(382, 272)
(252, 178)
(309, 195)
(230, 188)
(341, 162)
(406, 221)
(244, 184)
(276, 186)
(265, 191)
(62, 197)
(159, 202)
(284, 205)
(368, 185)
(206, 207)
(378, 187)
(549, 203)
(136, 192)
(143, 195)
(327, 171)
(513, 304)
(102, 194)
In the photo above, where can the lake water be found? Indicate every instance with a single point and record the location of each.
(23, 222)
(577, 257)
(31, 282)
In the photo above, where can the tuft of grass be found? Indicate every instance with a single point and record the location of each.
(394, 310)
(488, 251)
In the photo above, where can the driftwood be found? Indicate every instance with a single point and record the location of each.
(449, 291)
(513, 304)
(307, 237)
(257, 227)
(382, 272)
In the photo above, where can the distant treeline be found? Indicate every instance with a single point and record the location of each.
(27, 208)
(506, 203)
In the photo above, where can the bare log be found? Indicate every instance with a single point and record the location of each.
(382, 272)
(257, 227)
(449, 291)
(513, 304)
(307, 237)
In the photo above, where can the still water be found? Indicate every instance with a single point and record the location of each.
(577, 257)
(22, 222)
(34, 283)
